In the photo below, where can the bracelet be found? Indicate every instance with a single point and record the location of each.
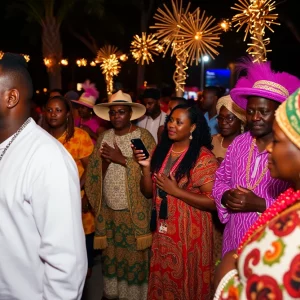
(224, 282)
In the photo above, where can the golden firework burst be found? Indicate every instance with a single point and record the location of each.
(198, 36)
(225, 25)
(256, 15)
(169, 23)
(142, 48)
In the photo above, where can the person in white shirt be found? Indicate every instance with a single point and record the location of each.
(154, 119)
(42, 252)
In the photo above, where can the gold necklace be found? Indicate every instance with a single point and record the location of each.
(178, 152)
(249, 187)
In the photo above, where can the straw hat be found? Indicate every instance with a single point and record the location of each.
(119, 98)
(89, 96)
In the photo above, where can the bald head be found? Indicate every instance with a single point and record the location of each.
(14, 75)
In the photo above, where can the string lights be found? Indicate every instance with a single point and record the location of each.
(142, 48)
(82, 62)
(26, 56)
(256, 15)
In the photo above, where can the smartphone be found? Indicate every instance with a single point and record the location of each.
(139, 145)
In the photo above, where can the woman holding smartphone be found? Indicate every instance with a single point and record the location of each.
(180, 176)
(122, 211)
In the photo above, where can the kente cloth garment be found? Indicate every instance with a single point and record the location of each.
(42, 253)
(123, 234)
(181, 260)
(152, 125)
(231, 173)
(218, 150)
(268, 266)
(81, 146)
(212, 124)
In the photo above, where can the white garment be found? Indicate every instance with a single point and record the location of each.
(152, 125)
(42, 246)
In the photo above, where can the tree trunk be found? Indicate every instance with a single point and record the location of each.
(52, 49)
(54, 77)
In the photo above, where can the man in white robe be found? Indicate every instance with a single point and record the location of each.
(42, 246)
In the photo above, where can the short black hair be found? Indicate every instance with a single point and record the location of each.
(219, 91)
(15, 66)
(151, 93)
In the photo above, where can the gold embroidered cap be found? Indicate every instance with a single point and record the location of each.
(262, 81)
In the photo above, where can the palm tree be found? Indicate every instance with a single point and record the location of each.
(50, 14)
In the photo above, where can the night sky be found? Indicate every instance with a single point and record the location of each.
(122, 20)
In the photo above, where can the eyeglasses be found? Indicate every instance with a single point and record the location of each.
(228, 119)
(120, 112)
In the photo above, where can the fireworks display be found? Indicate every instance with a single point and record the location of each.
(198, 36)
(142, 48)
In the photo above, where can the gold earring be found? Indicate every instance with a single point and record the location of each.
(191, 136)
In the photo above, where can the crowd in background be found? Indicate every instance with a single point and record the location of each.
(208, 210)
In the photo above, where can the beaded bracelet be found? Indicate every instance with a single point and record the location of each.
(224, 282)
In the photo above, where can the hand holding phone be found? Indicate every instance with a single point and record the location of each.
(139, 145)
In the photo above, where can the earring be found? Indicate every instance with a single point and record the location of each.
(91, 112)
(242, 128)
(191, 136)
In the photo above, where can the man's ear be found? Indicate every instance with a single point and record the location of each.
(12, 98)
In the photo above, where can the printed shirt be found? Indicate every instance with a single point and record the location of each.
(81, 146)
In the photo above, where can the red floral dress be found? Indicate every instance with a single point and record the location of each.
(182, 262)
(269, 266)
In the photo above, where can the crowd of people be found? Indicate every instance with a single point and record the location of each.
(211, 213)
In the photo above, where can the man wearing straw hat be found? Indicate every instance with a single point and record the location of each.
(122, 212)
(244, 188)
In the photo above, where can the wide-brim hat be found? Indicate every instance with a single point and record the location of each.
(119, 98)
(262, 81)
(261, 88)
(85, 101)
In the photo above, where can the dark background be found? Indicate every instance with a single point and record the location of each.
(122, 20)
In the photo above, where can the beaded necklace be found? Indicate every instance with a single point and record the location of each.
(286, 199)
(249, 187)
(14, 137)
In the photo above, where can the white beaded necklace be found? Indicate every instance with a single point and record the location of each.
(14, 137)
